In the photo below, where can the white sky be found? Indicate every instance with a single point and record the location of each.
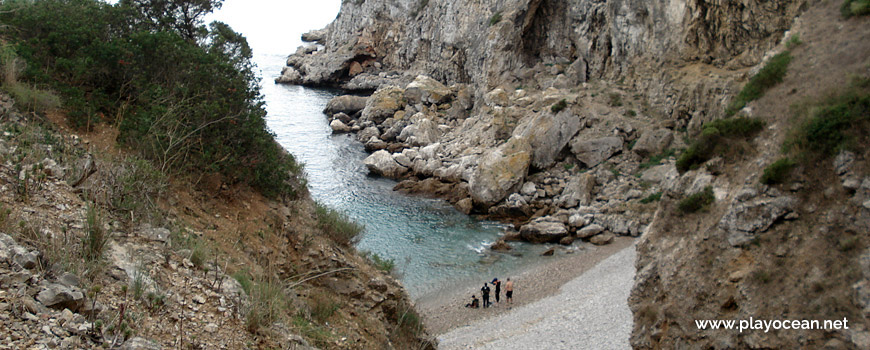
(274, 26)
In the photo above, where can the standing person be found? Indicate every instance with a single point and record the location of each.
(497, 284)
(509, 291)
(485, 291)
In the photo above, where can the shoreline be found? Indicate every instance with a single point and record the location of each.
(444, 311)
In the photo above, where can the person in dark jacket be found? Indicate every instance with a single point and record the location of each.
(475, 303)
(485, 290)
(497, 285)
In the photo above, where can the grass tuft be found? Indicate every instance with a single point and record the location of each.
(337, 225)
(268, 302)
(496, 17)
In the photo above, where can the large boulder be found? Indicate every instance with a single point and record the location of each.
(548, 134)
(544, 230)
(500, 170)
(497, 97)
(289, 75)
(653, 142)
(594, 151)
(664, 175)
(347, 104)
(589, 231)
(602, 239)
(426, 90)
(383, 104)
(422, 132)
(339, 127)
(578, 191)
(382, 163)
(58, 296)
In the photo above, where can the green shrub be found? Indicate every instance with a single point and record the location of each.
(336, 225)
(839, 122)
(559, 106)
(655, 197)
(184, 95)
(777, 172)
(697, 201)
(855, 8)
(496, 17)
(736, 127)
(771, 74)
(713, 139)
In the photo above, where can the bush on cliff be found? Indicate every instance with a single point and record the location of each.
(840, 121)
(771, 74)
(183, 95)
(714, 138)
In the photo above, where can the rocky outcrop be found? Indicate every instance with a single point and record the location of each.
(383, 163)
(500, 170)
(593, 152)
(653, 142)
(548, 134)
(543, 231)
(383, 104)
(348, 104)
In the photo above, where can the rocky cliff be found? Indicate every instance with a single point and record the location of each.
(574, 120)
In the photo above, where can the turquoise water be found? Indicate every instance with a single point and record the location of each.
(433, 245)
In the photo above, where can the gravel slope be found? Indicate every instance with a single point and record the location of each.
(589, 312)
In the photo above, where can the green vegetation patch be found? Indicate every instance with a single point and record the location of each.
(697, 201)
(337, 225)
(559, 106)
(183, 95)
(770, 75)
(657, 159)
(383, 264)
(655, 197)
(496, 17)
(840, 121)
(855, 8)
(714, 139)
(777, 172)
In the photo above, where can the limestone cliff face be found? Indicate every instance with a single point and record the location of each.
(491, 42)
